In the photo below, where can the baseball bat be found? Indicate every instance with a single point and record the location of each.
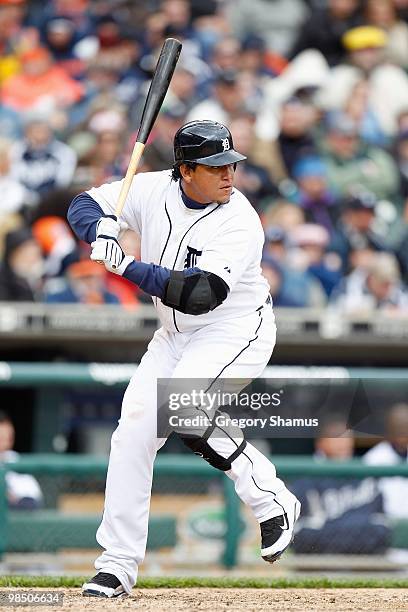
(158, 88)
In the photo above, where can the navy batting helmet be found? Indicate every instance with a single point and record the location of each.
(205, 142)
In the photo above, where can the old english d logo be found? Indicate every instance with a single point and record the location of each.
(225, 144)
(191, 257)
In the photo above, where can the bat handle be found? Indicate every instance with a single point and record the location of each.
(127, 181)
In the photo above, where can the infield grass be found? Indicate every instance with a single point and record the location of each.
(218, 583)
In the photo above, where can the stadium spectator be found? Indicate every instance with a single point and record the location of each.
(178, 16)
(384, 14)
(227, 100)
(57, 243)
(10, 123)
(324, 28)
(22, 268)
(308, 254)
(182, 93)
(339, 515)
(61, 40)
(78, 11)
(376, 287)
(297, 256)
(303, 77)
(257, 60)
(355, 239)
(349, 161)
(274, 273)
(210, 26)
(203, 8)
(277, 21)
(102, 92)
(295, 139)
(393, 451)
(283, 214)
(41, 162)
(359, 109)
(85, 285)
(101, 162)
(14, 37)
(14, 195)
(251, 178)
(41, 84)
(114, 48)
(275, 243)
(226, 55)
(291, 285)
(366, 59)
(22, 490)
(152, 37)
(402, 9)
(313, 195)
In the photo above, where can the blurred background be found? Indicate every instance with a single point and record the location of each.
(315, 93)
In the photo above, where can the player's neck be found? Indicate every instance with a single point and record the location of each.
(189, 202)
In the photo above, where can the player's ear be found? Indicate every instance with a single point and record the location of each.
(186, 173)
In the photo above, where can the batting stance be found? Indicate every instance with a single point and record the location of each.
(201, 246)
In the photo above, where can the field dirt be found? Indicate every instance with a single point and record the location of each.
(231, 600)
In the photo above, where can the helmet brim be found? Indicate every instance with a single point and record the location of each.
(221, 159)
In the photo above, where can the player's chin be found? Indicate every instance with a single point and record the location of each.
(224, 196)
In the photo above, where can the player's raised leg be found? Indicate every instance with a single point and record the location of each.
(240, 349)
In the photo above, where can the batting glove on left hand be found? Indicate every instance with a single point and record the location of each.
(109, 226)
(109, 252)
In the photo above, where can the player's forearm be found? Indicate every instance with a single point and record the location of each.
(192, 291)
(151, 278)
(83, 215)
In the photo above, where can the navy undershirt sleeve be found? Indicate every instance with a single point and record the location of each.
(152, 278)
(83, 215)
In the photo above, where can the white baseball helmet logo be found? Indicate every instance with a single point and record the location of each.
(225, 144)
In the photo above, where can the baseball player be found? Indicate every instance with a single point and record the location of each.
(201, 247)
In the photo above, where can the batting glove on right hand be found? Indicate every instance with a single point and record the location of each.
(109, 252)
(110, 226)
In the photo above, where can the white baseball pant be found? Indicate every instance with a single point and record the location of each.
(244, 345)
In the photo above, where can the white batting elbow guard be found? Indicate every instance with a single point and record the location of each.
(110, 226)
(109, 252)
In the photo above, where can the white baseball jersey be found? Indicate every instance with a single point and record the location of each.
(225, 239)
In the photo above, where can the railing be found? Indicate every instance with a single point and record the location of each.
(87, 329)
(80, 466)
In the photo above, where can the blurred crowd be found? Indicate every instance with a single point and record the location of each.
(353, 515)
(315, 93)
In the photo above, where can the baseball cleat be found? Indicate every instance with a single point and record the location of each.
(103, 585)
(277, 532)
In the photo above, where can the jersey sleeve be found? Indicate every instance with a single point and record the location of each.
(107, 196)
(229, 253)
